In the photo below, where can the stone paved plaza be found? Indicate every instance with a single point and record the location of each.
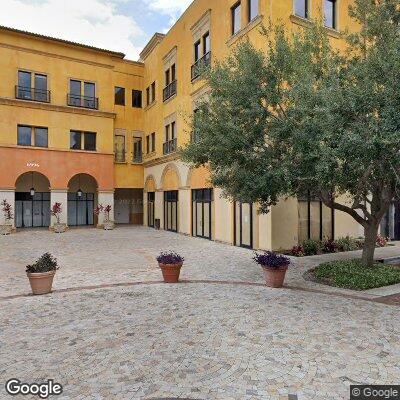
(115, 332)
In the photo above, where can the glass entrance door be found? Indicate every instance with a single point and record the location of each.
(80, 209)
(202, 213)
(32, 212)
(171, 211)
(150, 209)
(244, 225)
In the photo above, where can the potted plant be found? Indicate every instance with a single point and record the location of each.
(7, 228)
(108, 225)
(56, 211)
(41, 274)
(274, 266)
(170, 264)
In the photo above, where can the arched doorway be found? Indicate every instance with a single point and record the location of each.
(82, 200)
(32, 201)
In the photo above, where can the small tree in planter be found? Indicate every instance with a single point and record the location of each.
(274, 266)
(56, 212)
(41, 274)
(6, 207)
(107, 223)
(170, 264)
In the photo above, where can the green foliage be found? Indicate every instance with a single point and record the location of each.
(348, 244)
(352, 274)
(296, 116)
(312, 247)
(45, 263)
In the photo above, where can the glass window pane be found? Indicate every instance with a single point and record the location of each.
(206, 43)
(329, 12)
(301, 8)
(196, 51)
(253, 9)
(90, 141)
(137, 98)
(24, 136)
(89, 89)
(75, 87)
(75, 140)
(40, 82)
(119, 148)
(41, 137)
(24, 79)
(119, 96)
(236, 18)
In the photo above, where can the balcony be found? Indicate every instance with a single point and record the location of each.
(169, 90)
(170, 146)
(75, 100)
(201, 64)
(119, 156)
(32, 94)
(137, 159)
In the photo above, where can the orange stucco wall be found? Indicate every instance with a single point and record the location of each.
(58, 166)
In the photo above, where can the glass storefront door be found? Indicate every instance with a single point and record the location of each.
(202, 201)
(244, 225)
(171, 211)
(151, 196)
(32, 212)
(80, 209)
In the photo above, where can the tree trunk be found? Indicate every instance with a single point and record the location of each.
(370, 232)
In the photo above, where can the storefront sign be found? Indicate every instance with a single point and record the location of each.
(32, 165)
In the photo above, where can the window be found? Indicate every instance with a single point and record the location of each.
(148, 144)
(153, 142)
(137, 150)
(206, 43)
(153, 92)
(119, 96)
(137, 98)
(197, 51)
(167, 78)
(32, 86)
(236, 11)
(75, 142)
(170, 83)
(119, 146)
(82, 141)
(301, 8)
(32, 136)
(253, 9)
(90, 141)
(85, 98)
(170, 138)
(148, 96)
(330, 13)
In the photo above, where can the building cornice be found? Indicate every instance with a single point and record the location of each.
(162, 160)
(153, 43)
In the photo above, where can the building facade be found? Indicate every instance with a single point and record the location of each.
(83, 126)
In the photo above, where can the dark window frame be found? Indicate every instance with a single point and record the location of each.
(249, 8)
(137, 98)
(33, 140)
(334, 14)
(306, 9)
(119, 100)
(83, 138)
(234, 8)
(153, 142)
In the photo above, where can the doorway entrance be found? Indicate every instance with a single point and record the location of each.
(151, 198)
(202, 213)
(32, 201)
(243, 215)
(171, 211)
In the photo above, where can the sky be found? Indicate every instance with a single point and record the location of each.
(120, 25)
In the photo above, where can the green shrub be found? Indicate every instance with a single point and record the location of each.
(312, 247)
(351, 274)
(348, 244)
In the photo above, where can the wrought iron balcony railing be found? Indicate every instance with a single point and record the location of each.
(75, 100)
(32, 94)
(170, 146)
(169, 90)
(137, 158)
(119, 156)
(201, 64)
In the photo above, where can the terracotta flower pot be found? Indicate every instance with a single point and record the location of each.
(171, 272)
(59, 228)
(274, 277)
(109, 225)
(6, 229)
(41, 283)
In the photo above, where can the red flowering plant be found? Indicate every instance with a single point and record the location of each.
(7, 211)
(381, 241)
(105, 210)
(56, 211)
(98, 210)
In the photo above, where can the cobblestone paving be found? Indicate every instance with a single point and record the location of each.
(90, 257)
(191, 340)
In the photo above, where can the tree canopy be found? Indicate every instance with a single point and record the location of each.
(300, 116)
